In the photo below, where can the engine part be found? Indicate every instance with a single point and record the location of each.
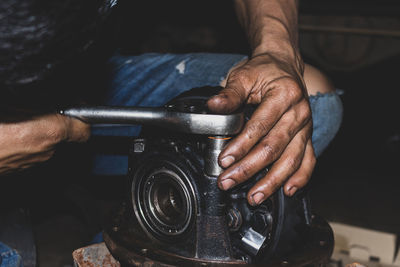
(175, 215)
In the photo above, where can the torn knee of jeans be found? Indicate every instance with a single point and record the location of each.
(319, 94)
(181, 66)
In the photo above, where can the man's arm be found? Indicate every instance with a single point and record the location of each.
(271, 27)
(279, 131)
(27, 143)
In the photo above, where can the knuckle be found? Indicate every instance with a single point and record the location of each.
(284, 135)
(240, 75)
(290, 116)
(303, 137)
(55, 134)
(242, 151)
(269, 151)
(56, 131)
(242, 172)
(261, 126)
(272, 184)
(256, 129)
(292, 163)
(305, 113)
(240, 81)
(294, 92)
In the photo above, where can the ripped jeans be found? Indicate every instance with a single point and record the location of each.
(153, 79)
(9, 257)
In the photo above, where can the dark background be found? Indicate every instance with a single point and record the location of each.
(356, 180)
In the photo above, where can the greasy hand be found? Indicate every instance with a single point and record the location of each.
(278, 133)
(24, 144)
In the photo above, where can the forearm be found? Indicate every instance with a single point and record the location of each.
(270, 25)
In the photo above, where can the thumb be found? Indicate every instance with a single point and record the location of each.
(228, 99)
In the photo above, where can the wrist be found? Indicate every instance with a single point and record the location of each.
(284, 53)
(278, 47)
(272, 34)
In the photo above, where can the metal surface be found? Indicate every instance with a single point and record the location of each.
(130, 250)
(194, 123)
(215, 145)
(164, 201)
(150, 228)
(253, 241)
(96, 255)
(176, 215)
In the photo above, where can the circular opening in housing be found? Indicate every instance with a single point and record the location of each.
(165, 201)
(168, 201)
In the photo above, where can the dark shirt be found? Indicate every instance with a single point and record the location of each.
(49, 50)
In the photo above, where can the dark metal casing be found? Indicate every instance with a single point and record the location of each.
(176, 215)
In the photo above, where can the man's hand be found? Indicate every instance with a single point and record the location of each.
(278, 133)
(24, 144)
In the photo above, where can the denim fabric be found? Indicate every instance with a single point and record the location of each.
(9, 257)
(153, 79)
(327, 112)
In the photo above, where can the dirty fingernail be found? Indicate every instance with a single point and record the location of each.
(292, 190)
(227, 161)
(227, 183)
(258, 198)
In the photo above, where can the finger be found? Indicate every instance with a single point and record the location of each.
(23, 159)
(263, 154)
(20, 162)
(52, 129)
(301, 177)
(76, 130)
(36, 157)
(262, 123)
(5, 170)
(230, 98)
(283, 168)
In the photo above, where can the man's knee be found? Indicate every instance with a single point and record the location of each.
(326, 106)
(316, 81)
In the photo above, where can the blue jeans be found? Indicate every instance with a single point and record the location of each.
(153, 79)
(9, 257)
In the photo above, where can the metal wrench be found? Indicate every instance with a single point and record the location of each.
(193, 123)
